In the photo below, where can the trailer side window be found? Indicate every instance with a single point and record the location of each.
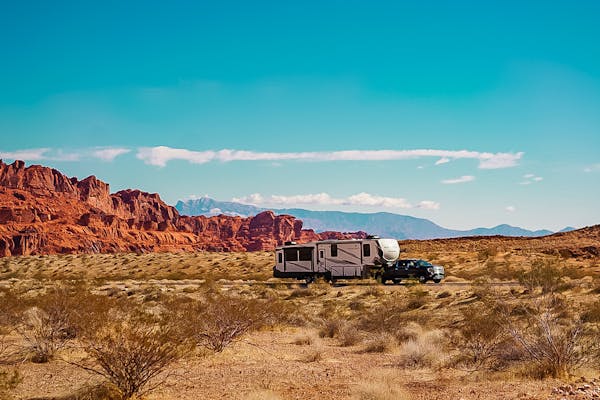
(334, 250)
(280, 257)
(367, 250)
(291, 254)
(305, 254)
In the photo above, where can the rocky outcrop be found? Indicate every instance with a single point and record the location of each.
(44, 212)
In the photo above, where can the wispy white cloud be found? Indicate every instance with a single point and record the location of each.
(510, 209)
(26, 155)
(429, 205)
(359, 199)
(41, 154)
(442, 160)
(528, 179)
(109, 154)
(161, 155)
(462, 179)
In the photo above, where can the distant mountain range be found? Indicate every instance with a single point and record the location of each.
(382, 223)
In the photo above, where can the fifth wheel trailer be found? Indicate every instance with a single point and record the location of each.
(335, 259)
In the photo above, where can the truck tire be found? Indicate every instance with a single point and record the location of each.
(437, 280)
(397, 281)
(422, 279)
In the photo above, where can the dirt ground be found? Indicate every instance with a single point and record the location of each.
(269, 364)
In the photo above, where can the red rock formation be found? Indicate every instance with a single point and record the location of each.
(44, 212)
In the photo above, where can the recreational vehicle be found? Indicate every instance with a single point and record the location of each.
(335, 259)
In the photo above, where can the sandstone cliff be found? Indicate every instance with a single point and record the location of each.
(44, 212)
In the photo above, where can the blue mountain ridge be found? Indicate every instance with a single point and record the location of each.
(381, 223)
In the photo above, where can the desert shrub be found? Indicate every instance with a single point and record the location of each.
(219, 320)
(349, 335)
(425, 350)
(592, 313)
(57, 317)
(382, 343)
(132, 350)
(544, 274)
(550, 339)
(43, 334)
(481, 338)
(388, 316)
(330, 328)
(408, 331)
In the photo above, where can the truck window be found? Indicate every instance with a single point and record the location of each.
(334, 250)
(305, 254)
(291, 254)
(367, 250)
(280, 257)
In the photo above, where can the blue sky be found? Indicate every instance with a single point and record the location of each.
(465, 113)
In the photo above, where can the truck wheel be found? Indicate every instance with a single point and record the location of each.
(422, 279)
(437, 280)
(397, 281)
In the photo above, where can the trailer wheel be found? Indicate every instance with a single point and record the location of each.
(309, 279)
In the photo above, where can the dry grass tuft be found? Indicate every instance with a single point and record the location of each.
(425, 350)
(330, 328)
(314, 355)
(304, 340)
(380, 388)
(382, 343)
(349, 335)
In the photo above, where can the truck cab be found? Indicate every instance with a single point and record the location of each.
(418, 269)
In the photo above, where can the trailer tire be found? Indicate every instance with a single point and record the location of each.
(309, 279)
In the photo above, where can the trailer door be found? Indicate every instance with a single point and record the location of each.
(321, 265)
